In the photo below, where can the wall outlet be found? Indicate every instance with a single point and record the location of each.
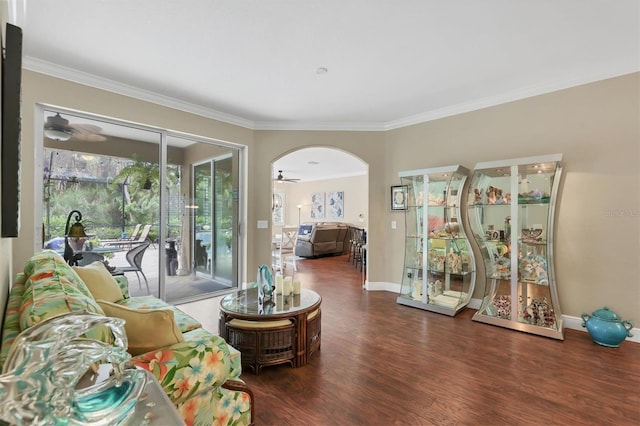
(263, 224)
(394, 224)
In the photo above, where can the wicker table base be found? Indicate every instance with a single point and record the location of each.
(286, 330)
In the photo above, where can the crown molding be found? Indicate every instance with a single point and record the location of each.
(91, 80)
(514, 95)
(327, 126)
(75, 76)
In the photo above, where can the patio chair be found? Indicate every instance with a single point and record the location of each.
(123, 240)
(130, 242)
(134, 257)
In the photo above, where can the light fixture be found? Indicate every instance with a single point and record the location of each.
(76, 232)
(57, 128)
(58, 135)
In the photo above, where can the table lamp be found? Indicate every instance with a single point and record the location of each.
(76, 231)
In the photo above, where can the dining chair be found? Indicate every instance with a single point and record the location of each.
(288, 245)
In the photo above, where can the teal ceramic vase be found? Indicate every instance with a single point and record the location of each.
(265, 284)
(606, 327)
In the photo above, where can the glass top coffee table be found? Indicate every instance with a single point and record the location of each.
(285, 329)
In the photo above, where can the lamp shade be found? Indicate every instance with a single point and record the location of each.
(77, 231)
(58, 135)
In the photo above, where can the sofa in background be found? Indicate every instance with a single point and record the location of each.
(198, 370)
(322, 239)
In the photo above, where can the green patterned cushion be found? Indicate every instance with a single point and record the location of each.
(219, 406)
(11, 325)
(52, 288)
(45, 259)
(123, 283)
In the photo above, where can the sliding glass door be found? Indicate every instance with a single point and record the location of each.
(136, 184)
(214, 219)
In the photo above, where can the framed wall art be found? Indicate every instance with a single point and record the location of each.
(317, 205)
(399, 197)
(335, 204)
(278, 208)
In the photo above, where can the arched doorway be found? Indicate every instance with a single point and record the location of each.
(316, 185)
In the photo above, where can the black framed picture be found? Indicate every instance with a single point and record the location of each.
(10, 149)
(399, 195)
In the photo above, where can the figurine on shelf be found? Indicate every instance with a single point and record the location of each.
(455, 262)
(499, 199)
(436, 261)
(416, 290)
(507, 225)
(452, 229)
(507, 198)
(492, 194)
(435, 200)
(477, 196)
(434, 289)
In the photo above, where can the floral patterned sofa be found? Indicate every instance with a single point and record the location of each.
(199, 371)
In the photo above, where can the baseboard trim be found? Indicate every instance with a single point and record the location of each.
(570, 322)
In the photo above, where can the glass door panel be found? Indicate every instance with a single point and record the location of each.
(203, 218)
(222, 267)
(132, 187)
(109, 171)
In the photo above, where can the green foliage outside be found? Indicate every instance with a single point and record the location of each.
(101, 197)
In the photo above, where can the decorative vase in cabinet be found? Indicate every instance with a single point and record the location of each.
(520, 287)
(439, 267)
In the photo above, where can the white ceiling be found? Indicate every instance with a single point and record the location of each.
(318, 163)
(390, 63)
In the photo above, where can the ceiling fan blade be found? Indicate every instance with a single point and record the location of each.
(281, 178)
(88, 132)
(86, 128)
(90, 137)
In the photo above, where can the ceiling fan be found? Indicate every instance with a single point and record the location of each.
(281, 178)
(59, 129)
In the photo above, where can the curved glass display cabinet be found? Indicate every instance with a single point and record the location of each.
(511, 215)
(439, 267)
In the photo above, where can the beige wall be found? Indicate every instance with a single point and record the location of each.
(595, 126)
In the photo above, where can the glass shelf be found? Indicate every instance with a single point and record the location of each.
(515, 237)
(439, 268)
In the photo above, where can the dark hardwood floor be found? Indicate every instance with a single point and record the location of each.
(387, 364)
